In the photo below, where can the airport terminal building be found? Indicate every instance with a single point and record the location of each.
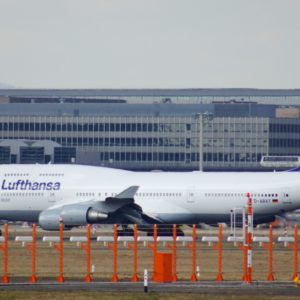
(149, 129)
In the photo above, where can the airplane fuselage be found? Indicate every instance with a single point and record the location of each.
(170, 197)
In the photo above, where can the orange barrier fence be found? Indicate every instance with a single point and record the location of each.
(219, 249)
(4, 248)
(294, 247)
(267, 244)
(134, 248)
(292, 244)
(31, 246)
(216, 244)
(269, 247)
(60, 249)
(85, 244)
(114, 248)
(87, 248)
(153, 247)
(189, 242)
(173, 248)
(193, 247)
(244, 248)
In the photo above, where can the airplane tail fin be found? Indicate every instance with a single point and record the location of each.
(297, 169)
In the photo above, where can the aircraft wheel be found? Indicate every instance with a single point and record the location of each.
(125, 232)
(165, 232)
(180, 232)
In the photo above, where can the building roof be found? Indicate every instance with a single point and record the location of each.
(222, 92)
(82, 109)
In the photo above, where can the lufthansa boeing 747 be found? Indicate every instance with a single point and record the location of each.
(77, 195)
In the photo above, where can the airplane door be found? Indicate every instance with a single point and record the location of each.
(52, 199)
(286, 198)
(191, 195)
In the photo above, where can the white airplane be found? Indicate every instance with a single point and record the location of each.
(78, 195)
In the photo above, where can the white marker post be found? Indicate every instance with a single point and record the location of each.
(249, 239)
(198, 272)
(145, 281)
(93, 269)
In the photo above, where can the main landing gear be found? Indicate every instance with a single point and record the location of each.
(125, 231)
(162, 230)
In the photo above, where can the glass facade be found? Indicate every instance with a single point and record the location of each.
(31, 155)
(151, 129)
(145, 142)
(235, 142)
(284, 136)
(4, 155)
(64, 155)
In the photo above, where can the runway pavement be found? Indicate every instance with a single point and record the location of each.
(201, 287)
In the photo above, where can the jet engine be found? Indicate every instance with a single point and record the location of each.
(70, 215)
(263, 219)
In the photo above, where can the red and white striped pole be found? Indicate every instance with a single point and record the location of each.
(249, 238)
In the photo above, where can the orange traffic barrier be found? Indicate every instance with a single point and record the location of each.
(163, 267)
(114, 248)
(4, 247)
(60, 249)
(192, 247)
(133, 247)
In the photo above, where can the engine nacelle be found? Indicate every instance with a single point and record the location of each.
(70, 216)
(263, 219)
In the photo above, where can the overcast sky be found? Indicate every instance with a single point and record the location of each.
(150, 43)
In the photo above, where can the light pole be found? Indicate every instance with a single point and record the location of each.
(200, 142)
(202, 117)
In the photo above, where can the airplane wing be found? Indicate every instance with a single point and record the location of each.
(128, 193)
(111, 203)
(119, 209)
(124, 198)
